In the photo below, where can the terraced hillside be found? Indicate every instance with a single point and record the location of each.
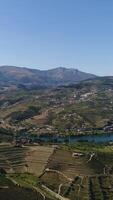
(84, 108)
(32, 159)
(83, 171)
(96, 187)
(87, 176)
(63, 161)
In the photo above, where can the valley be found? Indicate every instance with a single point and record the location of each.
(80, 109)
(56, 141)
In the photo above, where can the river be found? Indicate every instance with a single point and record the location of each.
(106, 137)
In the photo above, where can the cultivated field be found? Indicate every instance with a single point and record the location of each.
(44, 172)
(37, 158)
(86, 177)
(81, 187)
(32, 159)
(63, 161)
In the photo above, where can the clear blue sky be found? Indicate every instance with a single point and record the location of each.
(52, 33)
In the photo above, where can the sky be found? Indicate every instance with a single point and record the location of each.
(47, 34)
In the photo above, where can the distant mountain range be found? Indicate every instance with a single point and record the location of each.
(25, 77)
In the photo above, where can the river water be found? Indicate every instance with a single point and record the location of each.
(106, 137)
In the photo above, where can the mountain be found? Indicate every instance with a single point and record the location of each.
(29, 78)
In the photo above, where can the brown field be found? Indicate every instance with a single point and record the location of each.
(37, 158)
(32, 159)
(63, 161)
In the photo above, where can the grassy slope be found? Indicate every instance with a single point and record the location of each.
(13, 192)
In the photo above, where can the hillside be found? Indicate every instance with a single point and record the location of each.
(55, 174)
(84, 108)
(13, 77)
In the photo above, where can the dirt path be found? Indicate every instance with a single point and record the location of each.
(59, 189)
(91, 157)
(58, 172)
(54, 194)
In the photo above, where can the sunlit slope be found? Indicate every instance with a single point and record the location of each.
(83, 108)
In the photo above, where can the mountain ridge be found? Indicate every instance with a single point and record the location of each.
(35, 77)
